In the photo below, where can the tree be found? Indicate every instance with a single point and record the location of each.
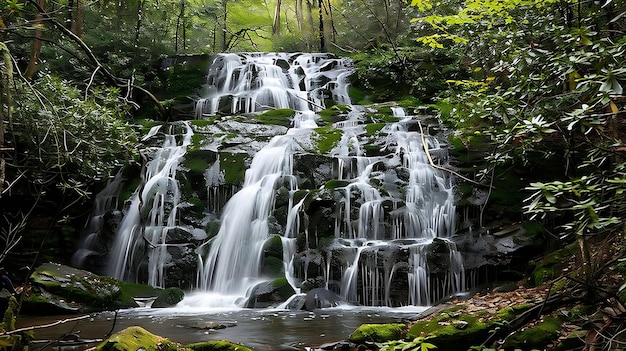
(546, 84)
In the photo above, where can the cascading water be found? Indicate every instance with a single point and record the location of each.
(151, 214)
(345, 207)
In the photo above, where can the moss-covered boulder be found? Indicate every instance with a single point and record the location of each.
(136, 338)
(452, 331)
(62, 289)
(168, 298)
(378, 332)
(552, 265)
(270, 293)
(217, 345)
(536, 337)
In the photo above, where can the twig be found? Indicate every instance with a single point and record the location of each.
(41, 326)
(430, 159)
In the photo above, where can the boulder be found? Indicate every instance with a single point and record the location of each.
(168, 298)
(135, 338)
(62, 289)
(378, 333)
(270, 293)
(321, 298)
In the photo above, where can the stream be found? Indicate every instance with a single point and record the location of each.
(260, 329)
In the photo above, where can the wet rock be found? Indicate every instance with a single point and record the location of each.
(57, 288)
(211, 324)
(321, 298)
(270, 293)
(221, 345)
(168, 298)
(135, 338)
(378, 332)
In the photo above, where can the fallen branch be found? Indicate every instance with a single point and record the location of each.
(41, 326)
(430, 159)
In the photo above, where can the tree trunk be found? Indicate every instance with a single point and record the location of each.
(6, 78)
(321, 28)
(139, 20)
(224, 18)
(299, 16)
(78, 21)
(35, 50)
(181, 18)
(276, 24)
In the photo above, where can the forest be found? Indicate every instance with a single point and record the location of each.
(532, 88)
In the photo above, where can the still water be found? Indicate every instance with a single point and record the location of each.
(261, 329)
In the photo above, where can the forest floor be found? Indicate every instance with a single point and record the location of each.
(591, 312)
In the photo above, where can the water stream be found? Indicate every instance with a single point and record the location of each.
(392, 212)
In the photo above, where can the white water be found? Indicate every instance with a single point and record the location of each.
(151, 213)
(244, 83)
(381, 241)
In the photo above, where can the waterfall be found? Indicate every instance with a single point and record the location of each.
(244, 83)
(151, 213)
(384, 236)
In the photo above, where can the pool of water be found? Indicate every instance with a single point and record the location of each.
(261, 329)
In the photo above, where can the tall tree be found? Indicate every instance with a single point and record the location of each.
(35, 50)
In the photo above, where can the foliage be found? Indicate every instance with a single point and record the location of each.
(546, 86)
(67, 141)
(417, 344)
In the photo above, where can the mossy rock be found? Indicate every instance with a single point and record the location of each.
(378, 333)
(130, 291)
(327, 139)
(168, 298)
(270, 293)
(85, 289)
(537, 337)
(217, 345)
(552, 265)
(234, 166)
(280, 117)
(454, 332)
(135, 338)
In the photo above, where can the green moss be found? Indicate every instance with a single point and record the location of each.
(536, 337)
(272, 267)
(169, 297)
(509, 313)
(373, 128)
(131, 290)
(409, 101)
(378, 332)
(129, 188)
(334, 114)
(85, 288)
(336, 183)
(234, 167)
(217, 345)
(552, 265)
(327, 139)
(452, 332)
(135, 338)
(357, 95)
(281, 117)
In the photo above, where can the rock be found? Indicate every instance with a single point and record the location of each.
(321, 298)
(378, 333)
(168, 298)
(270, 293)
(211, 324)
(443, 331)
(62, 289)
(219, 345)
(133, 339)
